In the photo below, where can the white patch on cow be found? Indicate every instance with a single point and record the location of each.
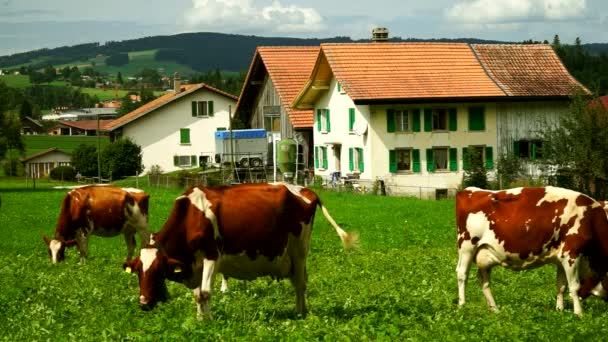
(294, 189)
(477, 224)
(147, 257)
(199, 200)
(152, 242)
(54, 246)
(553, 194)
(133, 190)
(514, 191)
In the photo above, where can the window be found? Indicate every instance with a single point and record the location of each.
(476, 119)
(184, 161)
(404, 159)
(272, 123)
(440, 119)
(531, 149)
(351, 119)
(202, 108)
(355, 159)
(403, 120)
(184, 136)
(323, 121)
(477, 155)
(437, 159)
(321, 157)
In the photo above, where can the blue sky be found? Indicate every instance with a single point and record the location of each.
(32, 24)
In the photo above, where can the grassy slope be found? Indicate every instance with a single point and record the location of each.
(399, 285)
(38, 143)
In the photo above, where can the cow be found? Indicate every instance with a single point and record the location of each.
(243, 231)
(99, 210)
(524, 228)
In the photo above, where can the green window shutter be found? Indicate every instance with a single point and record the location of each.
(453, 159)
(390, 120)
(516, 148)
(328, 121)
(416, 120)
(184, 136)
(428, 119)
(533, 150)
(489, 157)
(392, 161)
(466, 161)
(416, 160)
(318, 120)
(351, 164)
(324, 157)
(430, 164)
(476, 119)
(210, 108)
(194, 114)
(452, 112)
(192, 160)
(316, 157)
(361, 163)
(339, 87)
(175, 160)
(351, 119)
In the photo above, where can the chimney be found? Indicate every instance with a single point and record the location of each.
(177, 83)
(379, 34)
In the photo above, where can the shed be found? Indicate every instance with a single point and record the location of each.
(40, 164)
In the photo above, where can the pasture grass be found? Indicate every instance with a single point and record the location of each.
(67, 143)
(399, 285)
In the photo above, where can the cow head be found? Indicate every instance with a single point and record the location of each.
(152, 267)
(56, 248)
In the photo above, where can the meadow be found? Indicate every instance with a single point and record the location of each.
(399, 285)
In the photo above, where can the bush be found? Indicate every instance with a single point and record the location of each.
(121, 158)
(476, 174)
(84, 159)
(65, 173)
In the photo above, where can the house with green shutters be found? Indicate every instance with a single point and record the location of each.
(177, 130)
(413, 114)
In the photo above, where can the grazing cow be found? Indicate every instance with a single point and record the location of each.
(243, 231)
(99, 210)
(523, 228)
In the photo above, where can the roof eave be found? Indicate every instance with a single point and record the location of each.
(467, 99)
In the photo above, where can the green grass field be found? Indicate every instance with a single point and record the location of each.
(399, 285)
(39, 143)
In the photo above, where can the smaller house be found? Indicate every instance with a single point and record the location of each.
(40, 164)
(30, 126)
(84, 127)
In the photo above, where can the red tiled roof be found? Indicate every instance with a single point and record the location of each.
(163, 100)
(408, 70)
(88, 125)
(289, 68)
(526, 69)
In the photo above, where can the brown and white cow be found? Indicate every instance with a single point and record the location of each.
(523, 228)
(99, 210)
(243, 231)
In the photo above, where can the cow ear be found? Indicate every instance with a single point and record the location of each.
(175, 266)
(70, 243)
(46, 239)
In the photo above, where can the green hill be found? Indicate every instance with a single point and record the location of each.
(38, 143)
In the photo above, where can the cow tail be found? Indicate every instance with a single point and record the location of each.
(348, 240)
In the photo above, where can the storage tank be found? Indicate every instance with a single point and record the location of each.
(287, 157)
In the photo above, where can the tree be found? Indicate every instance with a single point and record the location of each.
(476, 173)
(25, 110)
(119, 78)
(118, 59)
(121, 158)
(577, 147)
(84, 160)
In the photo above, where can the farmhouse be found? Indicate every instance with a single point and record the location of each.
(274, 78)
(176, 130)
(30, 126)
(410, 113)
(40, 164)
(83, 127)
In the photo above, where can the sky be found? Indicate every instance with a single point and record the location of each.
(33, 24)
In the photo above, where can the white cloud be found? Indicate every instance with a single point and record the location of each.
(242, 14)
(492, 12)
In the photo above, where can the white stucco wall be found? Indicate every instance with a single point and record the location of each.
(158, 132)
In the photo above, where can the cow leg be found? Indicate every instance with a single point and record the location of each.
(298, 279)
(130, 240)
(203, 294)
(560, 282)
(465, 259)
(571, 271)
(82, 243)
(484, 279)
(224, 288)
